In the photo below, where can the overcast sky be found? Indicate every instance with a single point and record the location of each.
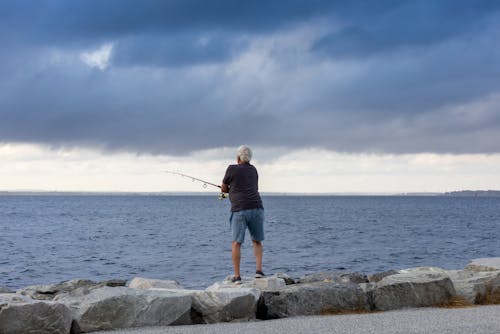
(367, 89)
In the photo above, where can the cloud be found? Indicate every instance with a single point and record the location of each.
(406, 25)
(181, 49)
(98, 58)
(176, 77)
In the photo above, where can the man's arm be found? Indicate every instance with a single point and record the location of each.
(224, 188)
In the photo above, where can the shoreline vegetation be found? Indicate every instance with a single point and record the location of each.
(459, 193)
(81, 306)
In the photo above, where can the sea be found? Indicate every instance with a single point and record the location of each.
(51, 238)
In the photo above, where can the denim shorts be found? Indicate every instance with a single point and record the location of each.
(253, 219)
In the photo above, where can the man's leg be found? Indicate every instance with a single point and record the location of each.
(236, 253)
(258, 250)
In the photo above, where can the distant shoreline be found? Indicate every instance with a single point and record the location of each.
(461, 193)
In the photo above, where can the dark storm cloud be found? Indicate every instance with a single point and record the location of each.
(410, 24)
(378, 76)
(61, 21)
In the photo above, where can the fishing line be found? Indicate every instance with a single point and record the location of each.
(205, 183)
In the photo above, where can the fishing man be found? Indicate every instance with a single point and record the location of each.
(241, 182)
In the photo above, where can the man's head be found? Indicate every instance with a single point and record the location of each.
(244, 154)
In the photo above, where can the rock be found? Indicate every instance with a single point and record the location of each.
(21, 314)
(288, 280)
(484, 264)
(225, 304)
(473, 286)
(416, 287)
(266, 283)
(334, 277)
(492, 295)
(148, 283)
(379, 276)
(49, 292)
(5, 290)
(312, 299)
(112, 308)
(113, 283)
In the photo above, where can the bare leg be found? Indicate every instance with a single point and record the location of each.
(236, 253)
(258, 251)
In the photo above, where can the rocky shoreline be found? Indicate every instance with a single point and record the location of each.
(80, 306)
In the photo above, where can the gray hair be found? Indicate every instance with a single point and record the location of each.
(244, 153)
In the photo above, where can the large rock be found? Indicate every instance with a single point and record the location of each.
(21, 314)
(484, 264)
(112, 308)
(312, 299)
(416, 287)
(377, 277)
(5, 290)
(474, 286)
(266, 283)
(49, 292)
(149, 283)
(334, 277)
(224, 305)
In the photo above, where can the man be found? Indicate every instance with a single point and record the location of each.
(247, 211)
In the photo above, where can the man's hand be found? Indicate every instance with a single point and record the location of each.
(224, 188)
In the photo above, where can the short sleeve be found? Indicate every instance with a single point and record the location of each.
(228, 176)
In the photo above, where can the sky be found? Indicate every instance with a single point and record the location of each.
(332, 96)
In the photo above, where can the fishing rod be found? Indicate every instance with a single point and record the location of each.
(205, 183)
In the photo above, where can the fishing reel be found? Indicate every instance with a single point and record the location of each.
(222, 196)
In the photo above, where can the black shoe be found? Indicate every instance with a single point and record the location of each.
(236, 280)
(259, 274)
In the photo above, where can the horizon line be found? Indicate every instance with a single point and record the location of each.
(206, 193)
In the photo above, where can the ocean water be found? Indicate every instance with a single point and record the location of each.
(48, 239)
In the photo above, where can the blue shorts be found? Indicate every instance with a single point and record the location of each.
(253, 219)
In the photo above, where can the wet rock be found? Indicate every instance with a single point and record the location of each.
(148, 283)
(112, 308)
(312, 299)
(21, 314)
(5, 290)
(341, 277)
(416, 287)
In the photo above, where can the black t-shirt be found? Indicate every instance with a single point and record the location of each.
(243, 181)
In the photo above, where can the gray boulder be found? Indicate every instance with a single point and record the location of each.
(21, 314)
(312, 299)
(49, 292)
(5, 290)
(475, 286)
(148, 283)
(484, 264)
(341, 277)
(112, 308)
(416, 287)
(225, 305)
